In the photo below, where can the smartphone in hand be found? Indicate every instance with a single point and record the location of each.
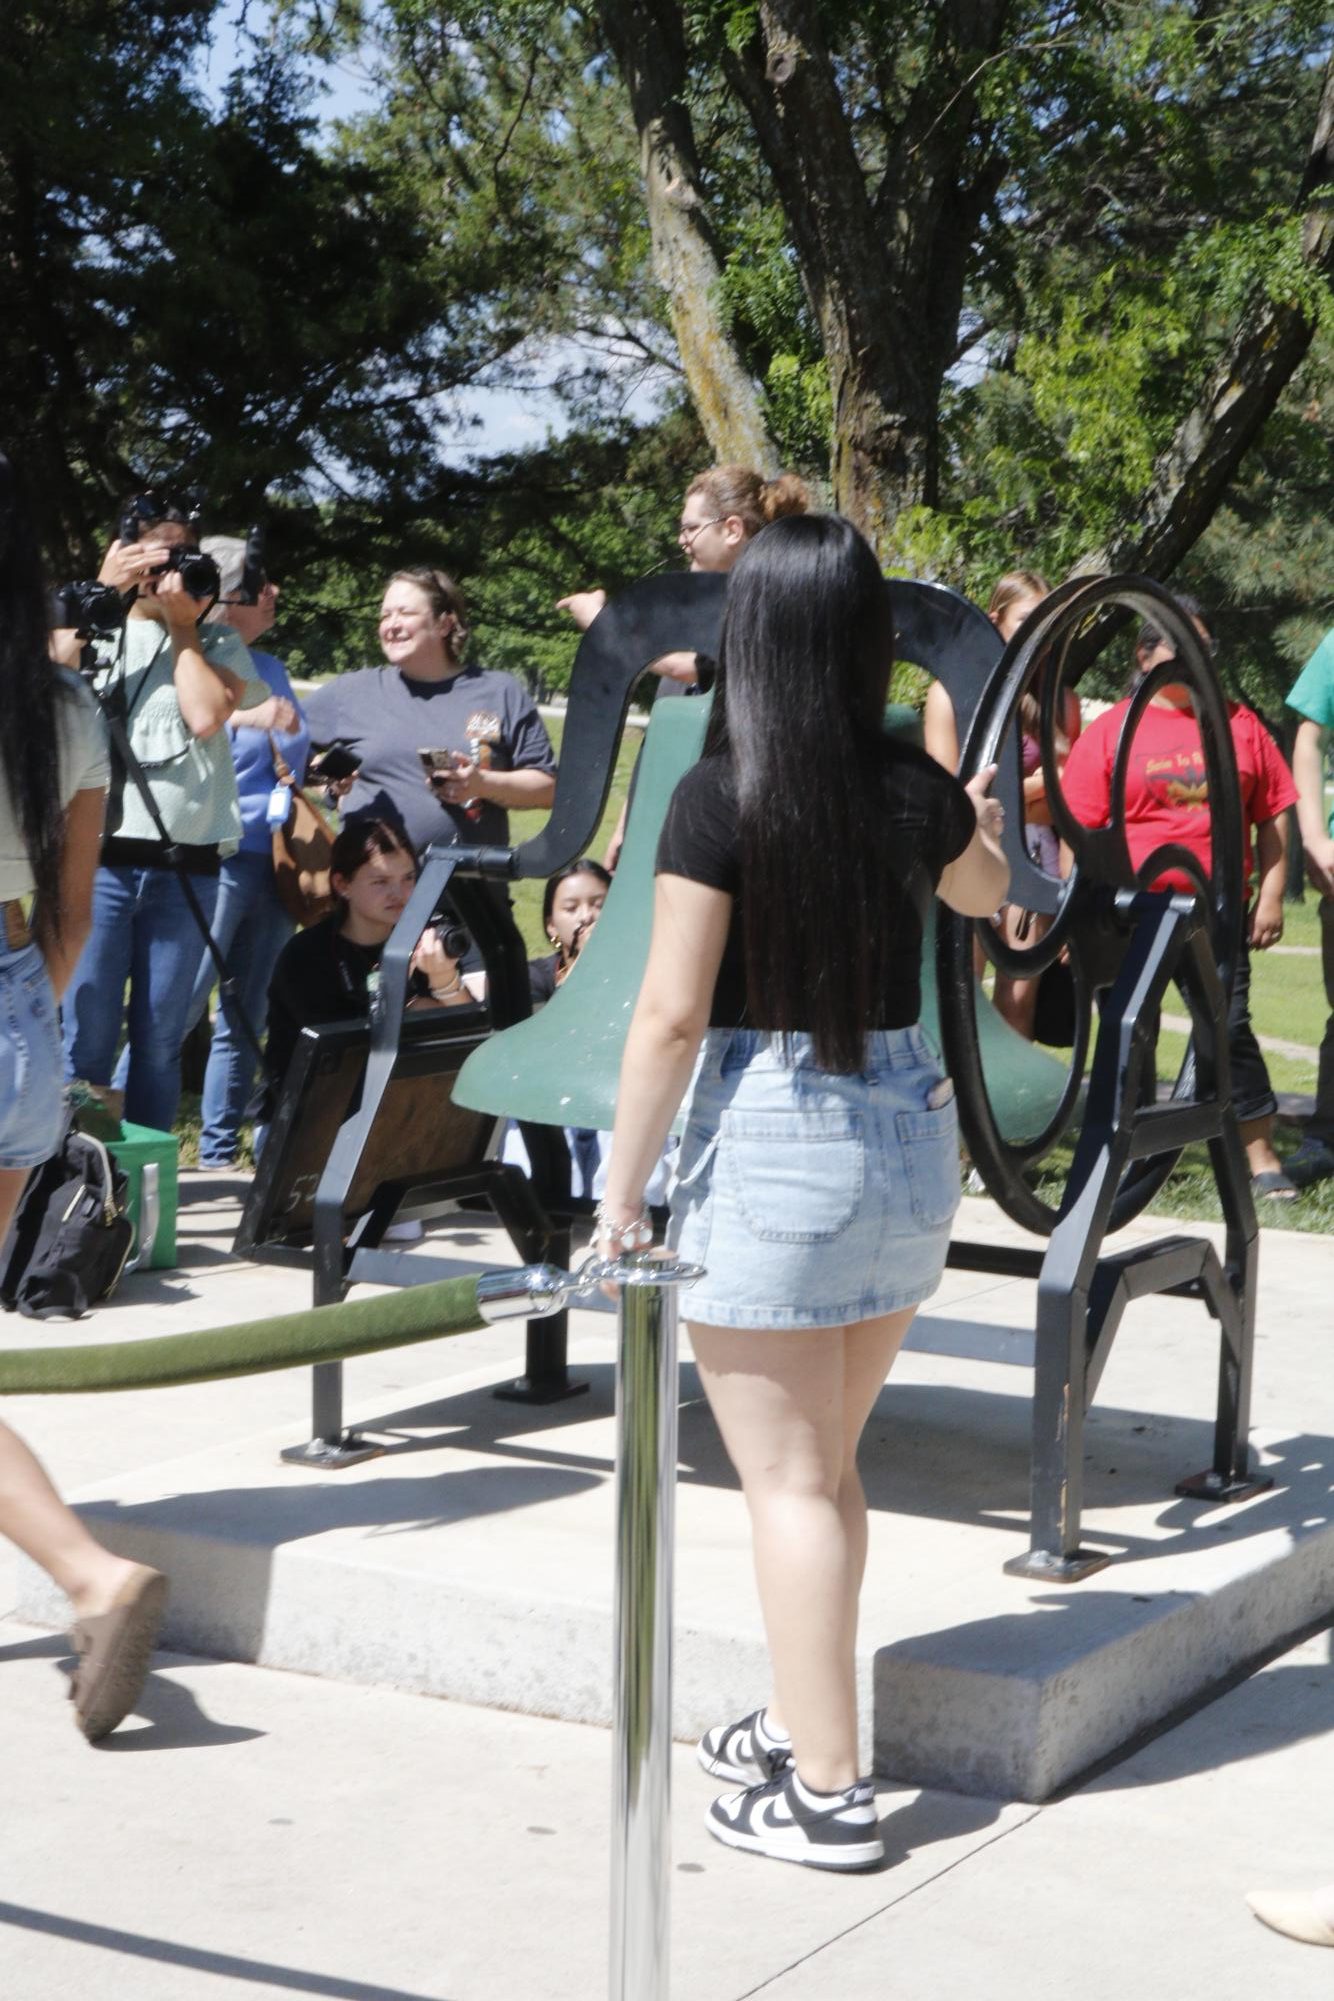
(337, 760)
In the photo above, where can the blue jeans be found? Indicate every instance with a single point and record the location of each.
(145, 933)
(250, 928)
(31, 1110)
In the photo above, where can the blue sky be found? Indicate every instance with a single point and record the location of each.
(509, 419)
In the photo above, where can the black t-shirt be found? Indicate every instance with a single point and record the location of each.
(542, 978)
(320, 976)
(925, 803)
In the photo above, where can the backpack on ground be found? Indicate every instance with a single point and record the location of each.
(71, 1235)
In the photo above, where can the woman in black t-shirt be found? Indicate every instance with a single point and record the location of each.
(325, 973)
(571, 905)
(818, 1173)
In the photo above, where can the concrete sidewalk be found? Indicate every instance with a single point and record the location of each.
(313, 1834)
(265, 1835)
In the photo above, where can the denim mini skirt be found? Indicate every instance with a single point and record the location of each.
(31, 1090)
(813, 1199)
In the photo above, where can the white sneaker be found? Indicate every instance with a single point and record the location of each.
(785, 1819)
(1299, 1914)
(745, 1752)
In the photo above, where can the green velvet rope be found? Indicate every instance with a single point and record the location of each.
(288, 1341)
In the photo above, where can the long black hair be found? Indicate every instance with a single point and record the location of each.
(29, 691)
(803, 670)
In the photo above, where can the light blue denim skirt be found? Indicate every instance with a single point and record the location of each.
(812, 1199)
(30, 1063)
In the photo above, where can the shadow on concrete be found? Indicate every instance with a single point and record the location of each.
(229, 1966)
(1258, 1714)
(932, 1817)
(941, 1452)
(172, 1720)
(268, 1517)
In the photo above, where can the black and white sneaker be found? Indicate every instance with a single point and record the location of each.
(747, 1752)
(785, 1819)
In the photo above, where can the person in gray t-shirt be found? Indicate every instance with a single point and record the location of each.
(428, 699)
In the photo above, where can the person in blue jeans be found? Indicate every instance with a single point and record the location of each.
(53, 780)
(174, 683)
(250, 926)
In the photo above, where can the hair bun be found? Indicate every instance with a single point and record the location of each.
(784, 494)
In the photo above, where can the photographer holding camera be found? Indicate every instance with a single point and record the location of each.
(250, 924)
(172, 684)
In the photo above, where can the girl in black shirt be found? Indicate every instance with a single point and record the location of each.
(571, 905)
(819, 1168)
(325, 973)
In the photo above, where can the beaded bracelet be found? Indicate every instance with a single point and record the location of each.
(636, 1236)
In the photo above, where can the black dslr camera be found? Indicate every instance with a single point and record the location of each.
(254, 574)
(91, 609)
(199, 573)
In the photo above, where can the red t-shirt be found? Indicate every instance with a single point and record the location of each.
(1167, 787)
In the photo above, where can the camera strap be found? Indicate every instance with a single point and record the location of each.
(117, 714)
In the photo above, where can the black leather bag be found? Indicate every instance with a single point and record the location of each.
(71, 1235)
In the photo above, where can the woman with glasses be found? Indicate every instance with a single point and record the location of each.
(723, 508)
(1167, 800)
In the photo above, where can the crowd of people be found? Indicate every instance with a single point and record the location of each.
(819, 1171)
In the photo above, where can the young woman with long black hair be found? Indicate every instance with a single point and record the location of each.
(819, 1171)
(53, 778)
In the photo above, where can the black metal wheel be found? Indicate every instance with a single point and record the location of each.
(1089, 924)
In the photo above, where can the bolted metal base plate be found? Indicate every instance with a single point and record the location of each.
(524, 1390)
(329, 1455)
(1219, 1487)
(1049, 1569)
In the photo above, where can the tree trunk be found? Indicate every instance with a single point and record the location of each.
(1266, 350)
(884, 277)
(648, 41)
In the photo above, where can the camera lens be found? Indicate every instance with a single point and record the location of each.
(454, 940)
(199, 573)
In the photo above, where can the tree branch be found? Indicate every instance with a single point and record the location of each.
(1266, 349)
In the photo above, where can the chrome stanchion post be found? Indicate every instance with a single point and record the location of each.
(646, 1428)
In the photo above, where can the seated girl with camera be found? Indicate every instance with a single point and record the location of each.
(328, 973)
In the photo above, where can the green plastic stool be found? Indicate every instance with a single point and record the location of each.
(149, 1160)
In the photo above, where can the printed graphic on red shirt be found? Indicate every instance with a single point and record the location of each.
(1167, 785)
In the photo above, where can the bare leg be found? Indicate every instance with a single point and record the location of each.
(791, 1407)
(33, 1515)
(1257, 1136)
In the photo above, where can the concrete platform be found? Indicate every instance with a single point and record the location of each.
(473, 1561)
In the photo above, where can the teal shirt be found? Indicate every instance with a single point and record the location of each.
(1312, 694)
(192, 779)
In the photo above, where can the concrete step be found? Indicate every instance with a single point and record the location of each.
(473, 1560)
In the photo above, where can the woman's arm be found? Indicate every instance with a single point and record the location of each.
(940, 731)
(519, 790)
(205, 698)
(690, 925)
(1271, 864)
(975, 883)
(1308, 769)
(526, 790)
(78, 865)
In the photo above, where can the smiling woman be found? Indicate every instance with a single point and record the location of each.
(446, 747)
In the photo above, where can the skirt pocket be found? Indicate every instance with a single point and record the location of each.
(795, 1177)
(930, 1146)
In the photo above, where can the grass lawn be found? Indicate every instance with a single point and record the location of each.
(1287, 1001)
